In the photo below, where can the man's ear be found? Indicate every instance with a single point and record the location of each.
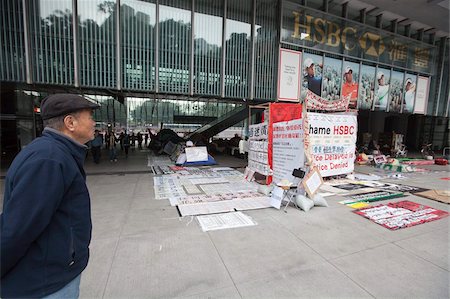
(69, 122)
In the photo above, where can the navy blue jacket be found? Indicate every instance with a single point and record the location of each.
(46, 221)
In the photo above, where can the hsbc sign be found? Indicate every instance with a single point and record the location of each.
(314, 29)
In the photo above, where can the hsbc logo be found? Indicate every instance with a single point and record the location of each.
(372, 44)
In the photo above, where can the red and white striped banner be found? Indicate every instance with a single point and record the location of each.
(315, 102)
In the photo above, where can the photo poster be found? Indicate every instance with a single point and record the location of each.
(382, 83)
(332, 141)
(331, 79)
(409, 96)
(366, 87)
(289, 75)
(312, 181)
(350, 77)
(279, 112)
(312, 74)
(288, 149)
(396, 92)
(420, 105)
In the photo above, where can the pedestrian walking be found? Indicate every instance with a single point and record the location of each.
(96, 146)
(139, 140)
(126, 143)
(112, 147)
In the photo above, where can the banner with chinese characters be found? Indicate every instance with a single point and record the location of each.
(315, 102)
(322, 31)
(287, 149)
(279, 112)
(331, 142)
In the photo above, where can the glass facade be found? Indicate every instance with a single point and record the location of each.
(266, 65)
(208, 34)
(237, 48)
(137, 25)
(97, 43)
(174, 46)
(12, 45)
(51, 42)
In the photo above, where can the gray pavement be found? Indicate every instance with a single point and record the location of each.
(142, 249)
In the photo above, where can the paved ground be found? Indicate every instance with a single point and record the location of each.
(142, 249)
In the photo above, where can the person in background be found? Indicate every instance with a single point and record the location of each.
(126, 143)
(146, 140)
(112, 146)
(139, 140)
(46, 225)
(382, 92)
(96, 145)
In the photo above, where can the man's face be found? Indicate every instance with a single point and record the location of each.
(310, 70)
(408, 86)
(349, 77)
(84, 126)
(381, 81)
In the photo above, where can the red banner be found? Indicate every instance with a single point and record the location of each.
(280, 112)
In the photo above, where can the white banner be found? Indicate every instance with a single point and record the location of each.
(258, 131)
(421, 95)
(289, 75)
(315, 102)
(332, 139)
(259, 146)
(288, 149)
(196, 154)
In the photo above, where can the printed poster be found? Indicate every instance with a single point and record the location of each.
(382, 89)
(312, 74)
(289, 75)
(331, 83)
(421, 95)
(350, 83)
(367, 87)
(409, 93)
(396, 92)
(332, 139)
(288, 149)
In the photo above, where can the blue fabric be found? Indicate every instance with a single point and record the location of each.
(46, 221)
(210, 161)
(70, 291)
(97, 141)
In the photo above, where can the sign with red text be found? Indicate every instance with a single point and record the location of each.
(332, 140)
(288, 149)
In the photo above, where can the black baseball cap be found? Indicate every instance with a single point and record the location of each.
(64, 103)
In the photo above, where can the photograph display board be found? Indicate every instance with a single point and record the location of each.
(312, 182)
(331, 83)
(350, 83)
(383, 79)
(312, 74)
(289, 75)
(396, 91)
(288, 149)
(421, 95)
(409, 93)
(366, 87)
(332, 139)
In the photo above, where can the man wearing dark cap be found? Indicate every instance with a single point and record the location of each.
(46, 221)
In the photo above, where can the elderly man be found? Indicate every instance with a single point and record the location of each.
(46, 221)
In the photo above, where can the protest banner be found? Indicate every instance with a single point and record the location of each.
(288, 149)
(331, 142)
(315, 102)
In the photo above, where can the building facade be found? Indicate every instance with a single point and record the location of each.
(180, 62)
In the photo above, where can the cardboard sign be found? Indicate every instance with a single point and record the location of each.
(277, 197)
(196, 154)
(312, 181)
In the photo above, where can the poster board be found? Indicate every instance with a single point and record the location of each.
(277, 197)
(420, 106)
(196, 154)
(312, 181)
(289, 75)
(288, 149)
(331, 142)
